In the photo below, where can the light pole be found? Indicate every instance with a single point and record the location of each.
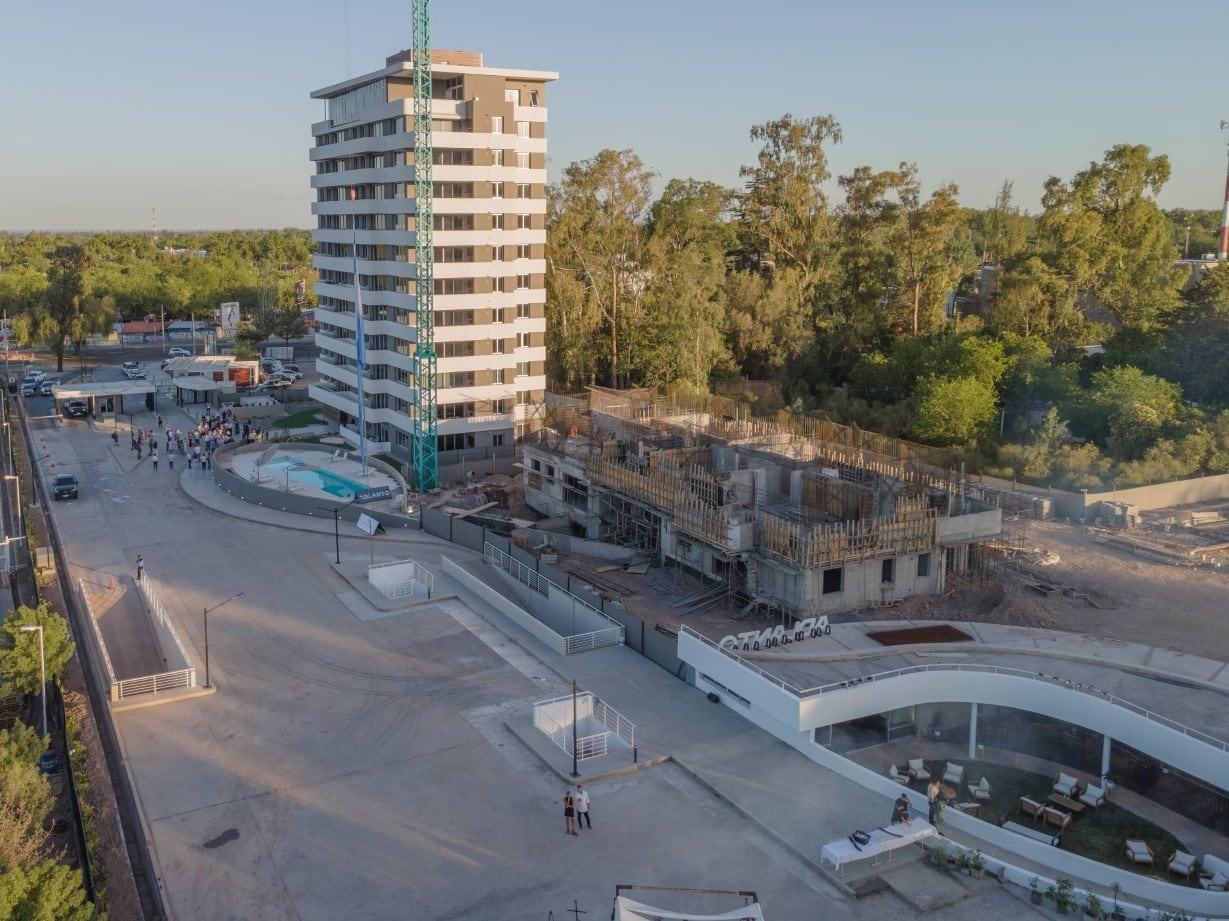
(42, 668)
(205, 614)
(17, 501)
(337, 510)
(575, 772)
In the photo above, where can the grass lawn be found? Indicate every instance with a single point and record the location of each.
(1095, 833)
(302, 418)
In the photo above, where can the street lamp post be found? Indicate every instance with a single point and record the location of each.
(337, 510)
(17, 501)
(206, 612)
(575, 772)
(42, 668)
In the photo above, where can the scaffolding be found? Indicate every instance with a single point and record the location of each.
(913, 528)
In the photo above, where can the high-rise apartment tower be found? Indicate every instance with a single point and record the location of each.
(489, 180)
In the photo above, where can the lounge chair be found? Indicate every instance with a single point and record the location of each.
(1093, 796)
(1213, 873)
(917, 769)
(1182, 863)
(1068, 786)
(981, 790)
(1056, 817)
(953, 774)
(1030, 807)
(895, 774)
(1138, 851)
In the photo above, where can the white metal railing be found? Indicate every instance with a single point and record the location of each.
(579, 642)
(615, 721)
(592, 745)
(594, 639)
(152, 684)
(1079, 687)
(180, 678)
(401, 579)
(98, 640)
(518, 570)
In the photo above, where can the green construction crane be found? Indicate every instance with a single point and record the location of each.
(423, 403)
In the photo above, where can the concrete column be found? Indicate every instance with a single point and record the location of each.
(973, 730)
(1106, 741)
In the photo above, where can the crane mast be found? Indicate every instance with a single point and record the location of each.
(423, 403)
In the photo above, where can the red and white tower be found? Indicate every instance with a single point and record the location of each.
(1223, 253)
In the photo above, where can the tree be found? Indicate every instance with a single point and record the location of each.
(684, 298)
(25, 798)
(65, 306)
(953, 410)
(44, 892)
(594, 273)
(930, 256)
(1126, 410)
(1109, 239)
(784, 209)
(19, 656)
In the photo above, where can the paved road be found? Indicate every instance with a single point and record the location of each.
(364, 768)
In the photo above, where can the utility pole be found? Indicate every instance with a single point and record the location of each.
(1224, 219)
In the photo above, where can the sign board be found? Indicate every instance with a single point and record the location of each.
(374, 494)
(228, 316)
(367, 524)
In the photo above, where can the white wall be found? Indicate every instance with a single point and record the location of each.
(779, 713)
(946, 684)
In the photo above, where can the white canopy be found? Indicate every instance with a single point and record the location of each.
(629, 910)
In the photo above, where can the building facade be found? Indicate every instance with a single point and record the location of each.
(489, 202)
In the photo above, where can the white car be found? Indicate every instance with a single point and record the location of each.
(178, 352)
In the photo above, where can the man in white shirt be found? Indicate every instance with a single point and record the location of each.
(582, 806)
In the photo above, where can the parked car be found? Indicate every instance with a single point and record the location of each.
(131, 364)
(65, 486)
(134, 374)
(295, 368)
(270, 365)
(276, 380)
(76, 409)
(28, 387)
(45, 387)
(287, 374)
(178, 352)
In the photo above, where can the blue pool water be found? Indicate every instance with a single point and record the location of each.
(323, 480)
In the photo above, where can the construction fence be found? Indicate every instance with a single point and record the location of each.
(658, 646)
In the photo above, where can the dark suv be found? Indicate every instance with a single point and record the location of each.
(76, 409)
(65, 486)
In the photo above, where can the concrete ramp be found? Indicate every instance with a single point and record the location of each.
(926, 888)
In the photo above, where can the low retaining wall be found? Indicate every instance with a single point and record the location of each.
(387, 513)
(513, 612)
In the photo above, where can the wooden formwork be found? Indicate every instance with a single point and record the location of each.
(913, 528)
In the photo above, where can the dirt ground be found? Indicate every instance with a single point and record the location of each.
(1136, 599)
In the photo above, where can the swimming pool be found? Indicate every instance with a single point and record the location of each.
(323, 480)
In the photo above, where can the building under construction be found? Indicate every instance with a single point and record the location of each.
(792, 516)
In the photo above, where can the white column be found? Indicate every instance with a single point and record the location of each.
(973, 730)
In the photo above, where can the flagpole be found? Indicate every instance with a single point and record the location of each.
(360, 344)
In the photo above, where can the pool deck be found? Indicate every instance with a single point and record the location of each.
(347, 468)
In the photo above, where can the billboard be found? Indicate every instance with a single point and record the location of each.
(228, 316)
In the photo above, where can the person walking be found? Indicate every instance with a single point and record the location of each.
(140, 567)
(569, 813)
(932, 799)
(154, 457)
(582, 807)
(170, 460)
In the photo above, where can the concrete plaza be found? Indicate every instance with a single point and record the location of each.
(378, 767)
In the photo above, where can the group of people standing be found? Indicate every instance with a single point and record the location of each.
(576, 810)
(214, 428)
(934, 802)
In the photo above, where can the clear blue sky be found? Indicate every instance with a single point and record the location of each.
(202, 110)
